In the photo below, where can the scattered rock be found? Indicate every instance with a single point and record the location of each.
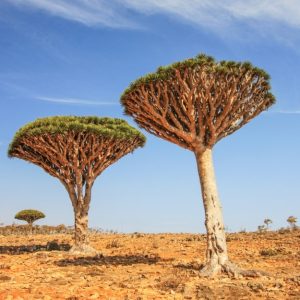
(255, 287)
(94, 296)
(277, 285)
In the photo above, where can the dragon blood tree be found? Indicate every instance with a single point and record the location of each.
(30, 216)
(194, 104)
(76, 150)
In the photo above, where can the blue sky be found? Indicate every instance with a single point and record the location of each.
(62, 57)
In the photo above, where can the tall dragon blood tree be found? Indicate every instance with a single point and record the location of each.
(194, 104)
(76, 150)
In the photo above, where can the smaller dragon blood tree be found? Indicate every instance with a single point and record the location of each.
(30, 216)
(76, 150)
(292, 221)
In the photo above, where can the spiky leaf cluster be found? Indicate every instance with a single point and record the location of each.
(104, 127)
(198, 101)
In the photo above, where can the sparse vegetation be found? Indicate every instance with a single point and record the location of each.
(275, 251)
(37, 229)
(261, 228)
(268, 252)
(284, 230)
(113, 244)
(174, 281)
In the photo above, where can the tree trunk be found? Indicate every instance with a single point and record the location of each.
(216, 252)
(81, 208)
(81, 228)
(82, 246)
(30, 227)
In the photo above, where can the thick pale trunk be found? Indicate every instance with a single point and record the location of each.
(81, 208)
(216, 253)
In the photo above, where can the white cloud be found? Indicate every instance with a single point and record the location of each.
(87, 12)
(276, 19)
(216, 12)
(284, 11)
(73, 101)
(207, 13)
(202, 12)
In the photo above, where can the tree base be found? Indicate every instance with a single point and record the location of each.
(83, 250)
(230, 269)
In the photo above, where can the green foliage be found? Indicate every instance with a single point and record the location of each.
(108, 127)
(29, 215)
(207, 63)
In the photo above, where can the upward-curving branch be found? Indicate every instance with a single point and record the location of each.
(76, 150)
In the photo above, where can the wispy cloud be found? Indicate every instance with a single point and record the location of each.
(276, 19)
(73, 101)
(87, 12)
(213, 14)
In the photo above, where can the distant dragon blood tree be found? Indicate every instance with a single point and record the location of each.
(29, 215)
(194, 104)
(76, 150)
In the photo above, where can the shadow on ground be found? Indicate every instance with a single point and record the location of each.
(190, 266)
(50, 246)
(116, 260)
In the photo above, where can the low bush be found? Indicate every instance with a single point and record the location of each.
(113, 244)
(268, 252)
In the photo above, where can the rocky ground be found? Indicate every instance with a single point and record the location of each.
(146, 266)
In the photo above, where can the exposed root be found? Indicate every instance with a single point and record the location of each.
(85, 250)
(210, 270)
(229, 268)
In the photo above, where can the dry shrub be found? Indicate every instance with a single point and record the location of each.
(113, 244)
(175, 281)
(268, 252)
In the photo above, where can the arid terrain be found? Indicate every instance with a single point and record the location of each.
(147, 266)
